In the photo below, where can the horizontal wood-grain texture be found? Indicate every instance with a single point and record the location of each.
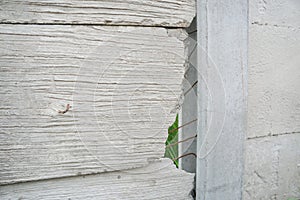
(168, 13)
(160, 180)
(122, 84)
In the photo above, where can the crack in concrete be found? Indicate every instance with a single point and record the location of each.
(274, 25)
(272, 135)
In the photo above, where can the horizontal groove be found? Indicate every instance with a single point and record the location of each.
(72, 176)
(55, 178)
(273, 135)
(90, 24)
(155, 160)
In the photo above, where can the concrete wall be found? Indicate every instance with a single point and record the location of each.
(119, 65)
(272, 157)
(222, 97)
(248, 152)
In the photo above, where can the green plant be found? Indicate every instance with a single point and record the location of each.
(171, 151)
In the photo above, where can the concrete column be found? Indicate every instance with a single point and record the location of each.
(222, 91)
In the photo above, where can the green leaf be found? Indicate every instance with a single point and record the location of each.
(172, 151)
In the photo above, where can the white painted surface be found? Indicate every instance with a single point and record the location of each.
(272, 150)
(170, 13)
(222, 92)
(123, 84)
(159, 180)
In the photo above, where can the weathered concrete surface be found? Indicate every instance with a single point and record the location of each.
(222, 91)
(272, 167)
(122, 80)
(159, 180)
(123, 84)
(274, 80)
(285, 13)
(168, 13)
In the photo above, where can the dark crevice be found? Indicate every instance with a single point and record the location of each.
(89, 24)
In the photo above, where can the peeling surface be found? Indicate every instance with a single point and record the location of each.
(167, 13)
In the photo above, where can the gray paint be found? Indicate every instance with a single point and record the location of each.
(189, 106)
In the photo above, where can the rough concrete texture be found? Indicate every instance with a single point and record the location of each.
(159, 180)
(273, 67)
(174, 13)
(118, 82)
(272, 169)
(83, 84)
(284, 13)
(272, 156)
(274, 76)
